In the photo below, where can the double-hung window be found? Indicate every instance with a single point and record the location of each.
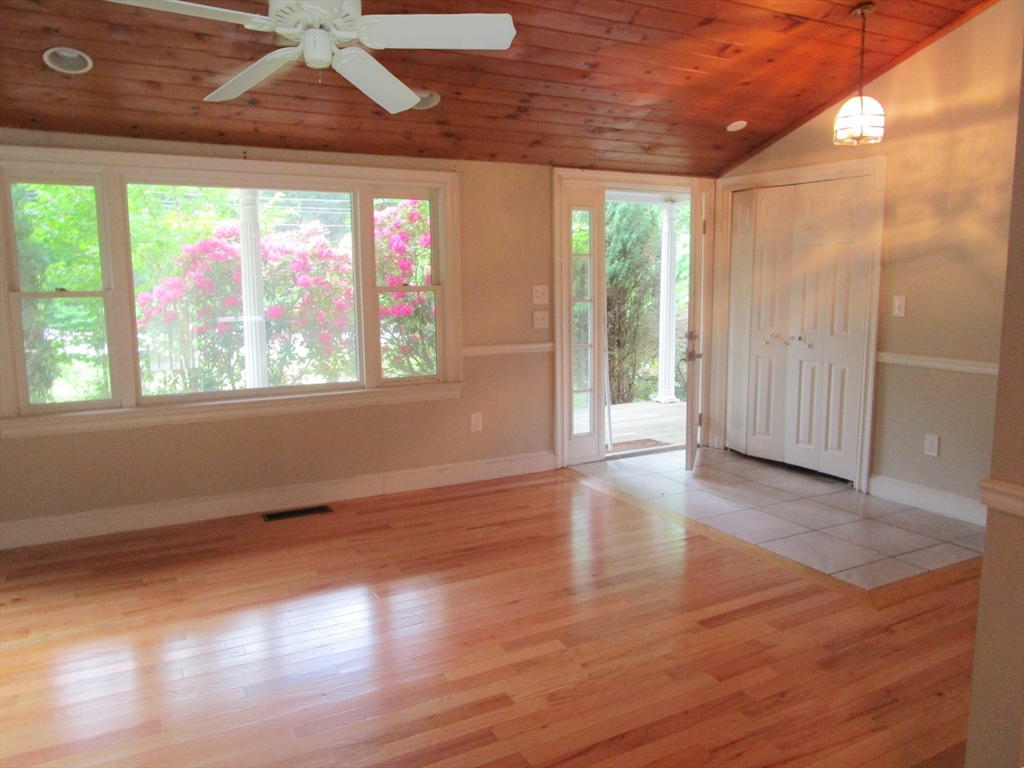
(135, 285)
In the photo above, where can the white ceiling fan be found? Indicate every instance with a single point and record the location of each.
(328, 33)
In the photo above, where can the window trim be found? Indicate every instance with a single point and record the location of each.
(110, 173)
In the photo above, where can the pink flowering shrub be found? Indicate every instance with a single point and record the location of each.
(408, 318)
(190, 324)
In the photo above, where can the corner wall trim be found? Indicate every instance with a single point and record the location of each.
(939, 363)
(928, 499)
(509, 349)
(1003, 495)
(45, 530)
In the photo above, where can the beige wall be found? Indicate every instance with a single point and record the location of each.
(994, 734)
(951, 118)
(505, 249)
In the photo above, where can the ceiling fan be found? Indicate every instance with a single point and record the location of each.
(329, 33)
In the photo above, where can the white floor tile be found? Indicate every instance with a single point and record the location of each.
(707, 456)
(887, 539)
(611, 470)
(822, 552)
(939, 556)
(861, 504)
(810, 514)
(975, 541)
(799, 483)
(930, 524)
(879, 573)
(754, 526)
(660, 462)
(752, 494)
(647, 486)
(707, 478)
(696, 505)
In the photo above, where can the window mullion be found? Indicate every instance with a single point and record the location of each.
(115, 251)
(369, 295)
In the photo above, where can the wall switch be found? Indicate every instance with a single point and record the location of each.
(540, 294)
(540, 318)
(476, 422)
(899, 306)
(931, 445)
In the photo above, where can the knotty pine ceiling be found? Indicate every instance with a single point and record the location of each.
(631, 85)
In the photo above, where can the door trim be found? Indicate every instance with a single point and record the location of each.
(874, 169)
(641, 182)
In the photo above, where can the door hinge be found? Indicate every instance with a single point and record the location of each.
(700, 419)
(691, 356)
(704, 227)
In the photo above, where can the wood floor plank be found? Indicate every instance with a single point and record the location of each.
(527, 621)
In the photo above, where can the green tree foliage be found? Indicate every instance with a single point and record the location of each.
(632, 274)
(57, 241)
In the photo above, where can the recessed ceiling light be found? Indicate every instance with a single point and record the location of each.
(739, 125)
(427, 100)
(67, 60)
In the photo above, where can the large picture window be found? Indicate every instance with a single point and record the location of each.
(222, 287)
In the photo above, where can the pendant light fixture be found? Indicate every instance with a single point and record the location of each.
(861, 120)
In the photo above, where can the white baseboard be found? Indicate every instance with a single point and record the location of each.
(45, 530)
(928, 499)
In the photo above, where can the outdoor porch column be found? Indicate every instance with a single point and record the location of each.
(253, 323)
(667, 319)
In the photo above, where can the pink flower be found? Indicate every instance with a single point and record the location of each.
(232, 301)
(405, 265)
(274, 312)
(144, 299)
(170, 317)
(325, 337)
(223, 329)
(424, 240)
(304, 280)
(414, 216)
(405, 349)
(393, 281)
(397, 244)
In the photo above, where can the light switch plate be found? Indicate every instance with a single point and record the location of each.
(899, 306)
(931, 445)
(540, 318)
(540, 294)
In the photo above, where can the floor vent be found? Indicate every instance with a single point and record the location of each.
(290, 513)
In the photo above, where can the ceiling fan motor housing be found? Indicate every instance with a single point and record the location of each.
(317, 49)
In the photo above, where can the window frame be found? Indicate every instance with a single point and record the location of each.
(110, 173)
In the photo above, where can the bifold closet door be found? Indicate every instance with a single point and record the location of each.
(799, 301)
(828, 326)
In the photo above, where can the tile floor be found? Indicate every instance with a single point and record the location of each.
(809, 518)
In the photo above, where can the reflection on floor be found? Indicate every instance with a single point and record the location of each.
(809, 518)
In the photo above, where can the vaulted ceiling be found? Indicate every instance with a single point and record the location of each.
(636, 85)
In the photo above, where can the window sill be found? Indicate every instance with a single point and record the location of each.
(193, 413)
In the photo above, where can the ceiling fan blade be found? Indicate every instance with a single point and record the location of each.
(251, 20)
(255, 74)
(372, 78)
(461, 31)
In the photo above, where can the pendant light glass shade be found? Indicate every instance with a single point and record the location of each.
(861, 120)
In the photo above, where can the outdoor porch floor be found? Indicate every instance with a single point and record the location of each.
(661, 422)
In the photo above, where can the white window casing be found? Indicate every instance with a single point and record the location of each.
(110, 173)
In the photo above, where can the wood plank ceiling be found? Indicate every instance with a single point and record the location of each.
(634, 85)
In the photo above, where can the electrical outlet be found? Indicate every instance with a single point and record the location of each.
(899, 306)
(540, 318)
(476, 422)
(540, 294)
(931, 445)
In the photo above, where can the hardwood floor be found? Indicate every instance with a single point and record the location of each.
(533, 621)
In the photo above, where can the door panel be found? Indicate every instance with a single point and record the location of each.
(766, 401)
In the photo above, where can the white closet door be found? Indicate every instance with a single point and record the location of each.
(769, 322)
(828, 325)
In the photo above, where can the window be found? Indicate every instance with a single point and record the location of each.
(131, 282)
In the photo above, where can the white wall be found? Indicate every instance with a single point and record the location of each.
(505, 248)
(951, 119)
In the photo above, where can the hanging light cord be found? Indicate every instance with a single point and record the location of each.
(863, 44)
